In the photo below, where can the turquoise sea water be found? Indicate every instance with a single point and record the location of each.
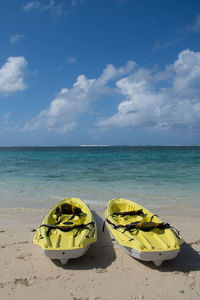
(38, 177)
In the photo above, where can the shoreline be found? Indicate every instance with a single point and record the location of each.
(104, 272)
(166, 210)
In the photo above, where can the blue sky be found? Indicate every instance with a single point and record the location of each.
(99, 72)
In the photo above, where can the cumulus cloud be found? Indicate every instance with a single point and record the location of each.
(162, 100)
(12, 75)
(63, 111)
(151, 99)
(110, 72)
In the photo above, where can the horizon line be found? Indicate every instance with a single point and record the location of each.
(89, 145)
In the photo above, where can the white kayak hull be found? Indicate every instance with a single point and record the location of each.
(65, 255)
(157, 257)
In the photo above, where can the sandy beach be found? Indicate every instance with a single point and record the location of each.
(105, 272)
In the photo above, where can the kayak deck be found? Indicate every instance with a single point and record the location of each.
(67, 231)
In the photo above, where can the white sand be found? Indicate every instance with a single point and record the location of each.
(105, 272)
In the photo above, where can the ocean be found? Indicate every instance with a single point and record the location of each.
(39, 177)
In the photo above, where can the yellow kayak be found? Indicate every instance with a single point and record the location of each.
(67, 230)
(141, 233)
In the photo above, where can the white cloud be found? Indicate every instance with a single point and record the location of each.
(57, 9)
(110, 72)
(180, 35)
(4, 119)
(168, 101)
(194, 28)
(63, 111)
(12, 75)
(71, 60)
(187, 70)
(32, 5)
(76, 2)
(151, 99)
(16, 38)
(37, 5)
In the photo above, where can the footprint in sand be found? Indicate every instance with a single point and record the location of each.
(24, 256)
(22, 281)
